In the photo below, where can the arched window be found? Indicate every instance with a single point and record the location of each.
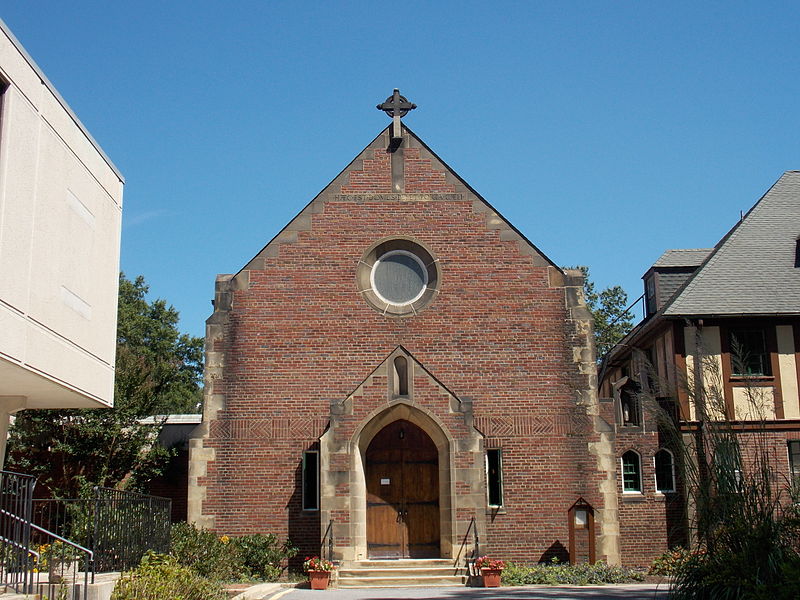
(401, 375)
(631, 473)
(665, 471)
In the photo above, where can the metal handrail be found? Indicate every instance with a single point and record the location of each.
(329, 536)
(88, 555)
(50, 533)
(476, 548)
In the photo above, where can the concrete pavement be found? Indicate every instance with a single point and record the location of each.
(535, 592)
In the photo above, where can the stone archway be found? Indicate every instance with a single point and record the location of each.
(348, 511)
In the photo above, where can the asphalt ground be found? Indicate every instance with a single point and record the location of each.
(536, 592)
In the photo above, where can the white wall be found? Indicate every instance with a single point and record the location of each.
(60, 222)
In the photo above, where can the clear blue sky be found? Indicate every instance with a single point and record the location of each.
(606, 132)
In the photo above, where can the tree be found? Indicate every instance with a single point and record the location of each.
(158, 371)
(612, 320)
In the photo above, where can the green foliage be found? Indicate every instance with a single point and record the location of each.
(746, 526)
(226, 558)
(564, 574)
(160, 577)
(205, 553)
(263, 556)
(158, 371)
(671, 561)
(611, 321)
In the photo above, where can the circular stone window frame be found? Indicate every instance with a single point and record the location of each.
(389, 247)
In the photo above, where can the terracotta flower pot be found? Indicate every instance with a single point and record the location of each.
(319, 579)
(491, 577)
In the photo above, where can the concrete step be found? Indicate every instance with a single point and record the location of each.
(417, 571)
(400, 573)
(400, 563)
(402, 581)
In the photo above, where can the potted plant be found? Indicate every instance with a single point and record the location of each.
(319, 572)
(490, 570)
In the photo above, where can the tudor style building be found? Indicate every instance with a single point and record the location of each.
(724, 320)
(400, 365)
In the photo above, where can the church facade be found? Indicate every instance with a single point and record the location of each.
(400, 368)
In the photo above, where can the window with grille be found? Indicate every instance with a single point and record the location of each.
(749, 355)
(631, 472)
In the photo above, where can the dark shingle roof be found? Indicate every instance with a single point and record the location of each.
(752, 269)
(690, 257)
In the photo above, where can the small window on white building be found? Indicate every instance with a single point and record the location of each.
(311, 480)
(494, 476)
(631, 473)
(665, 471)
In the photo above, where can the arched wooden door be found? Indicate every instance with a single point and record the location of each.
(402, 476)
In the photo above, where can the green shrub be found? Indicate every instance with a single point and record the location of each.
(671, 561)
(565, 574)
(160, 577)
(206, 554)
(224, 558)
(262, 556)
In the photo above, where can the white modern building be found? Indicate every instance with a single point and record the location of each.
(60, 222)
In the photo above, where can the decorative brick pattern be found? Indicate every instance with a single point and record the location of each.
(286, 429)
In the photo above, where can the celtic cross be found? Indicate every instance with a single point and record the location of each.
(396, 106)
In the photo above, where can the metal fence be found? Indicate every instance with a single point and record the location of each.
(34, 560)
(119, 526)
(16, 494)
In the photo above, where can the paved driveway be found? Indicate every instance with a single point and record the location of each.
(536, 592)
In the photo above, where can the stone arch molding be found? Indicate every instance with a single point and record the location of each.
(354, 422)
(349, 513)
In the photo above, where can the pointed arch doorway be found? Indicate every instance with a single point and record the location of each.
(401, 473)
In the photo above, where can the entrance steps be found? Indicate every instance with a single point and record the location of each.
(429, 572)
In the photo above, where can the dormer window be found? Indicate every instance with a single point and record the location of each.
(650, 294)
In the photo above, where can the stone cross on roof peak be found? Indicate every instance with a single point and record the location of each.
(396, 106)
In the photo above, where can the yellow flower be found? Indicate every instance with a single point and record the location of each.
(224, 539)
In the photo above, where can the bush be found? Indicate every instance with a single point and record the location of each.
(564, 574)
(226, 558)
(262, 556)
(671, 561)
(160, 577)
(206, 554)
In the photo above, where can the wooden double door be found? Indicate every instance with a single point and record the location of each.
(402, 476)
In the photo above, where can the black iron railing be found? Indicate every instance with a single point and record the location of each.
(16, 495)
(326, 545)
(119, 526)
(469, 554)
(35, 560)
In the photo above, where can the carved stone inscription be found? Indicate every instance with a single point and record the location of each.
(398, 197)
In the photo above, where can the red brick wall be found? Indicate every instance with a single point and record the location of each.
(650, 522)
(300, 336)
